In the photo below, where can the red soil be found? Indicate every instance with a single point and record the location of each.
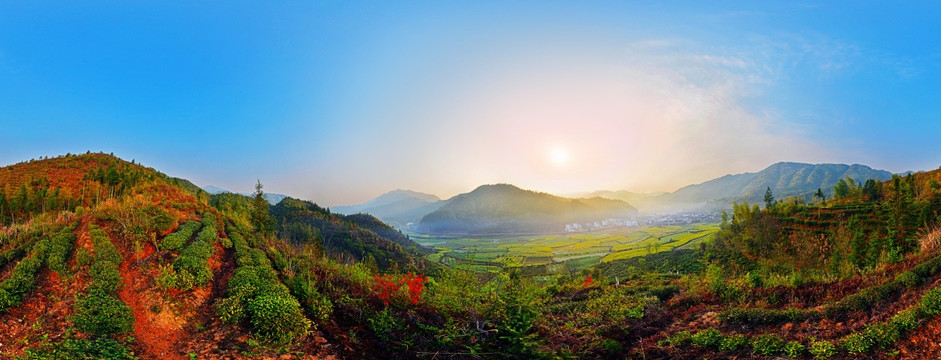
(155, 341)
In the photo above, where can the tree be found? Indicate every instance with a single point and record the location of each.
(769, 199)
(820, 195)
(872, 190)
(261, 219)
(841, 189)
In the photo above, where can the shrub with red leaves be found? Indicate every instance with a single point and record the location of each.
(588, 281)
(388, 285)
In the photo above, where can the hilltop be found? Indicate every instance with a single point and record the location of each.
(504, 208)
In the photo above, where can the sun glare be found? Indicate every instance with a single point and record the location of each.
(559, 156)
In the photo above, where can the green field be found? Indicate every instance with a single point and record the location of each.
(562, 252)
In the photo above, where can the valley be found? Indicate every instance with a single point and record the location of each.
(561, 254)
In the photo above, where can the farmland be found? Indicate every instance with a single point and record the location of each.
(564, 252)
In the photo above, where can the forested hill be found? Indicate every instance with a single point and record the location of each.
(360, 237)
(505, 208)
(785, 179)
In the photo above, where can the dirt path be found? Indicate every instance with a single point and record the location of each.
(157, 342)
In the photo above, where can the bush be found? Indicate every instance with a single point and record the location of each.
(82, 350)
(23, 277)
(767, 344)
(707, 338)
(680, 338)
(905, 320)
(101, 313)
(856, 343)
(176, 240)
(822, 349)
(881, 335)
(318, 306)
(104, 249)
(759, 316)
(733, 342)
(793, 349)
(59, 249)
(104, 276)
(664, 293)
(277, 318)
(931, 302)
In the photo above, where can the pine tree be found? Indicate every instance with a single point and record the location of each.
(769, 199)
(261, 219)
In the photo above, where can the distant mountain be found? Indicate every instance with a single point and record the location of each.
(398, 207)
(785, 179)
(212, 189)
(639, 200)
(273, 199)
(504, 208)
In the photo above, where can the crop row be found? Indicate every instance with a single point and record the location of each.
(23, 278)
(256, 294)
(178, 239)
(875, 336)
(861, 300)
(99, 311)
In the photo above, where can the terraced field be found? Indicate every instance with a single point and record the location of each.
(574, 251)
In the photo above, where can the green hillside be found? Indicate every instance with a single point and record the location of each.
(503, 208)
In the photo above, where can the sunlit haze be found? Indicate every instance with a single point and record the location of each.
(338, 102)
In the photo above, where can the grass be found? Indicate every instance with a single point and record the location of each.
(578, 250)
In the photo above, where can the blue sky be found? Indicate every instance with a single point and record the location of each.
(338, 102)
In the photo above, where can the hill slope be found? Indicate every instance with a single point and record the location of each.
(102, 258)
(504, 208)
(785, 179)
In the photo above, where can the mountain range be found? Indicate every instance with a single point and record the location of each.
(272, 198)
(425, 212)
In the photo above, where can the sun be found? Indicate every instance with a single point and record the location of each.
(559, 156)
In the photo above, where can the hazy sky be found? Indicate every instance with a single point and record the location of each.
(338, 102)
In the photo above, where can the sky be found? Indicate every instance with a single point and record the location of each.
(340, 101)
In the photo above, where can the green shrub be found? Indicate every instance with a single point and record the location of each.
(104, 276)
(856, 343)
(178, 239)
(760, 316)
(707, 338)
(733, 342)
(931, 302)
(318, 306)
(767, 344)
(277, 318)
(822, 349)
(754, 279)
(80, 349)
(22, 279)
(664, 293)
(793, 349)
(59, 249)
(680, 338)
(905, 320)
(909, 279)
(101, 313)
(104, 249)
(881, 335)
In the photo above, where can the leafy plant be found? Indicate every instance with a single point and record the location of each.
(734, 342)
(822, 349)
(767, 344)
(707, 338)
(793, 349)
